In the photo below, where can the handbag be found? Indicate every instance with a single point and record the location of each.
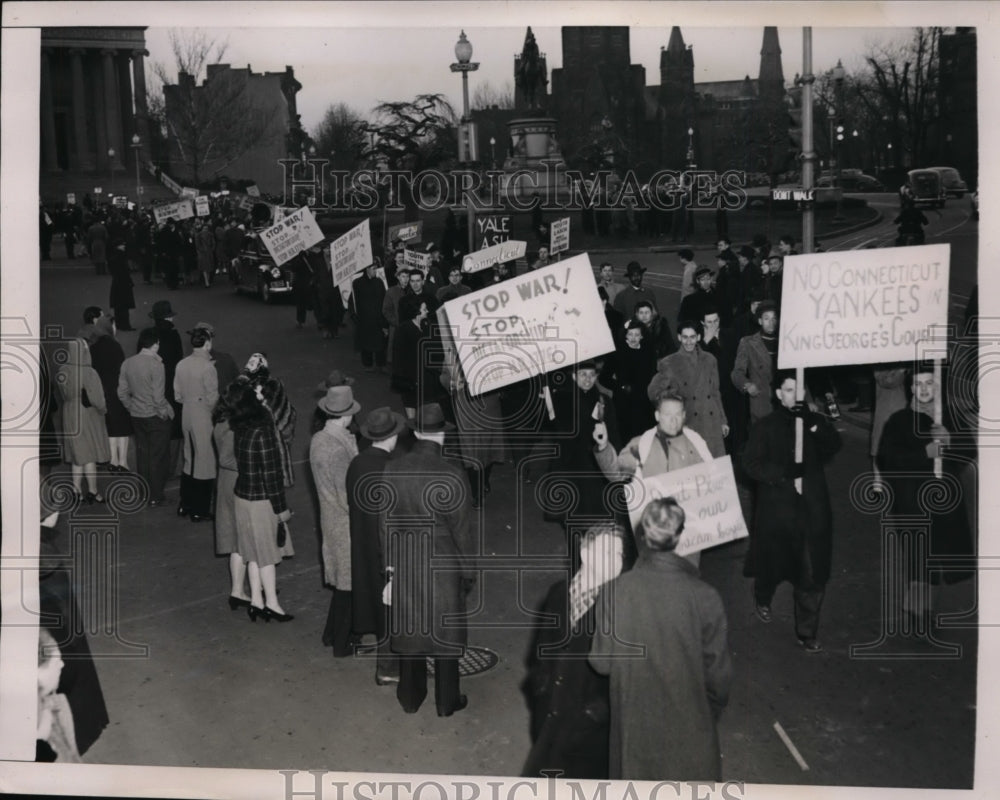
(282, 534)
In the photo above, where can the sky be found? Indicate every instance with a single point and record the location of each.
(362, 67)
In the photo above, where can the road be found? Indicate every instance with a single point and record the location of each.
(214, 690)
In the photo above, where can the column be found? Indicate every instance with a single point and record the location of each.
(141, 108)
(48, 154)
(112, 113)
(81, 152)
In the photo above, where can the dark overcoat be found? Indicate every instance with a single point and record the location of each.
(365, 497)
(669, 667)
(428, 542)
(568, 699)
(121, 294)
(367, 295)
(792, 537)
(107, 357)
(909, 473)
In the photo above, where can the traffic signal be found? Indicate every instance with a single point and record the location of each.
(840, 133)
(468, 142)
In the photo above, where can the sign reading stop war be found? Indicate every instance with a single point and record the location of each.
(706, 492)
(294, 234)
(181, 209)
(510, 250)
(861, 306)
(351, 253)
(532, 324)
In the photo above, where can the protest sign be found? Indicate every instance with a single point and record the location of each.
(187, 191)
(179, 209)
(201, 206)
(119, 201)
(529, 325)
(245, 202)
(98, 190)
(406, 232)
(706, 492)
(510, 250)
(491, 229)
(351, 253)
(253, 191)
(414, 260)
(294, 234)
(861, 306)
(71, 198)
(559, 236)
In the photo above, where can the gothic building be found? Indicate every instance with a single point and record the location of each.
(602, 104)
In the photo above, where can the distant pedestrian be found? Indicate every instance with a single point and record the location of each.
(107, 358)
(371, 327)
(121, 298)
(196, 388)
(97, 243)
(82, 403)
(225, 499)
(204, 243)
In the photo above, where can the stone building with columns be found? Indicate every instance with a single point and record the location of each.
(93, 101)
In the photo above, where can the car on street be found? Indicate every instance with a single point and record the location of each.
(952, 181)
(851, 182)
(255, 271)
(926, 188)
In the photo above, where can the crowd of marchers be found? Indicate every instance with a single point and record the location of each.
(673, 393)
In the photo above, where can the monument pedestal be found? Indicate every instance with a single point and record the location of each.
(537, 167)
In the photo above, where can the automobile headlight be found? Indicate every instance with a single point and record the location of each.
(275, 272)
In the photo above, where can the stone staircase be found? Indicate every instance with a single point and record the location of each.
(54, 186)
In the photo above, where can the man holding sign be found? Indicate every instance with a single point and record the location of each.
(793, 536)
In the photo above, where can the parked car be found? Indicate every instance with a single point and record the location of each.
(255, 271)
(952, 181)
(853, 181)
(926, 188)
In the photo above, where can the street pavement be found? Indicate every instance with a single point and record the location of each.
(190, 683)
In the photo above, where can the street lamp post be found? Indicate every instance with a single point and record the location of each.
(111, 169)
(465, 65)
(838, 77)
(493, 152)
(690, 152)
(136, 143)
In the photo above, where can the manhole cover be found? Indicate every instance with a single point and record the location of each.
(476, 661)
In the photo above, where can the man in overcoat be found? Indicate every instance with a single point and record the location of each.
(429, 548)
(756, 358)
(367, 296)
(171, 352)
(793, 534)
(693, 373)
(661, 638)
(196, 388)
(366, 495)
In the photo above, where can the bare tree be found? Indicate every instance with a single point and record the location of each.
(486, 96)
(414, 134)
(342, 137)
(207, 126)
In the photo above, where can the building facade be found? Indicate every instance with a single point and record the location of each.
(236, 123)
(93, 99)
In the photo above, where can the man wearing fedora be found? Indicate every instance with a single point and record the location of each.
(626, 299)
(429, 548)
(331, 450)
(364, 489)
(171, 352)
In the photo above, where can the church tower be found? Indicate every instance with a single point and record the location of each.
(677, 100)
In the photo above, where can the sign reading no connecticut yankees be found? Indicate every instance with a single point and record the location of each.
(861, 306)
(535, 323)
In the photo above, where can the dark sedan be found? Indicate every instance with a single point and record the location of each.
(255, 271)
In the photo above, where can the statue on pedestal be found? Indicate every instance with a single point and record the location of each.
(529, 73)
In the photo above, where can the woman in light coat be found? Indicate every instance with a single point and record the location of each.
(82, 406)
(330, 453)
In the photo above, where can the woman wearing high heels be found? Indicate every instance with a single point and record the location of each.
(259, 501)
(225, 499)
(82, 403)
(107, 357)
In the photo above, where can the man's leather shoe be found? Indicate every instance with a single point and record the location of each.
(462, 702)
(201, 517)
(385, 678)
